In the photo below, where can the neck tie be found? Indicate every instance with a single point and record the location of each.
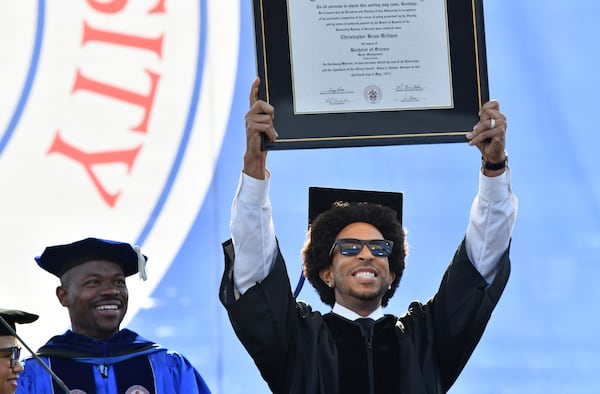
(366, 325)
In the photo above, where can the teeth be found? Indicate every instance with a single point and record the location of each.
(364, 274)
(107, 307)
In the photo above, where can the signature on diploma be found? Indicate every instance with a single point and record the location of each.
(409, 99)
(339, 90)
(337, 100)
(409, 87)
(335, 96)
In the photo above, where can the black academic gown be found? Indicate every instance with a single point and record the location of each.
(298, 350)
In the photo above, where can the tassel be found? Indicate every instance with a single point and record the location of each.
(141, 263)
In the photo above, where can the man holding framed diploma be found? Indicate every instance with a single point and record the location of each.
(371, 72)
(354, 257)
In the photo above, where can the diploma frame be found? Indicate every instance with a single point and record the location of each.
(468, 68)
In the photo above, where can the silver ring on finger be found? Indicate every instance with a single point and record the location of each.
(492, 123)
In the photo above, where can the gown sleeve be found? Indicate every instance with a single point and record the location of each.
(445, 331)
(176, 374)
(34, 379)
(260, 317)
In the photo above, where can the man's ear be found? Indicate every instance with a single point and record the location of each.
(326, 275)
(61, 294)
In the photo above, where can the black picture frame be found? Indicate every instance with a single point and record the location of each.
(468, 64)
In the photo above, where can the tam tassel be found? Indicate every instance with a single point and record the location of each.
(141, 263)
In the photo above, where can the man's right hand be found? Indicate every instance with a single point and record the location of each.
(259, 121)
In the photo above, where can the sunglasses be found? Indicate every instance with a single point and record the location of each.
(353, 246)
(13, 352)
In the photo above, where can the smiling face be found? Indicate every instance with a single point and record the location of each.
(8, 375)
(96, 296)
(359, 281)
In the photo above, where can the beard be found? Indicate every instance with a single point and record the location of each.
(368, 295)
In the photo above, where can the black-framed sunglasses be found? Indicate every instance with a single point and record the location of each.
(13, 352)
(353, 246)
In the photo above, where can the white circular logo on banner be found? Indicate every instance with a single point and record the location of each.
(111, 121)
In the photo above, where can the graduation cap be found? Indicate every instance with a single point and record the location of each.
(60, 258)
(13, 316)
(321, 199)
(8, 318)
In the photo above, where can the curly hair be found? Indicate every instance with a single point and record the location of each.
(328, 225)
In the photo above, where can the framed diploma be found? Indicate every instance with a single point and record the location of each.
(346, 73)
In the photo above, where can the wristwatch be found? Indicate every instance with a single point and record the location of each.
(495, 166)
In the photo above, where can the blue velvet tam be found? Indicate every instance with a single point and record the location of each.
(59, 259)
(13, 316)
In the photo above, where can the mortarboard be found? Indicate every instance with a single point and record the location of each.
(8, 318)
(13, 316)
(60, 258)
(321, 199)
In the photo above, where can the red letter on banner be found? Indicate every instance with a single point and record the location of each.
(151, 44)
(146, 102)
(88, 160)
(110, 7)
(159, 8)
